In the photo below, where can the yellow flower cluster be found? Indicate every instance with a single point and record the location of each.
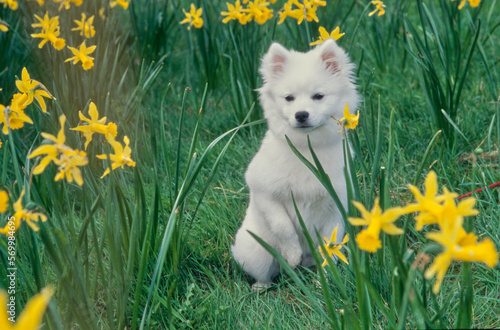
(257, 11)
(20, 213)
(50, 31)
(432, 209)
(13, 116)
(67, 159)
(456, 242)
(303, 11)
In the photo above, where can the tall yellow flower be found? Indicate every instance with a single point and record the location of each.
(67, 159)
(332, 247)
(50, 31)
(376, 220)
(121, 157)
(13, 117)
(434, 208)
(81, 55)
(4, 27)
(85, 26)
(324, 35)
(123, 3)
(31, 316)
(68, 166)
(23, 214)
(287, 11)
(4, 198)
(258, 11)
(193, 17)
(461, 246)
(379, 7)
(306, 11)
(235, 12)
(33, 89)
(51, 151)
(473, 3)
(351, 121)
(12, 4)
(95, 125)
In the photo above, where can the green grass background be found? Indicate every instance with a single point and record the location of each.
(104, 242)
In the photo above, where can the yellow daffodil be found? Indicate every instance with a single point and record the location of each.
(50, 32)
(287, 11)
(332, 248)
(121, 157)
(101, 13)
(376, 220)
(123, 3)
(460, 246)
(40, 2)
(258, 11)
(193, 17)
(67, 159)
(23, 214)
(12, 4)
(85, 26)
(434, 208)
(235, 12)
(379, 7)
(306, 11)
(33, 89)
(4, 198)
(66, 4)
(351, 120)
(95, 125)
(31, 316)
(0, 144)
(427, 204)
(68, 166)
(51, 151)
(473, 3)
(4, 27)
(324, 35)
(13, 117)
(81, 54)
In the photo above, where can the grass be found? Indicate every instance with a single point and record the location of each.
(150, 245)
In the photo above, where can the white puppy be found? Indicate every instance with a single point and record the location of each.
(301, 92)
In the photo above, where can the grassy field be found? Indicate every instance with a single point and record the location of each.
(147, 244)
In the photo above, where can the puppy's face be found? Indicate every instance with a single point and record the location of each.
(304, 90)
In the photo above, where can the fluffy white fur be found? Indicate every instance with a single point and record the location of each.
(293, 85)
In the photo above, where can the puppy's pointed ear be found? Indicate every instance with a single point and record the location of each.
(331, 55)
(273, 63)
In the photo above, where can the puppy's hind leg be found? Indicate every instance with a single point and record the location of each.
(254, 259)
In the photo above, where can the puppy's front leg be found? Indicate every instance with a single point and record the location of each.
(286, 240)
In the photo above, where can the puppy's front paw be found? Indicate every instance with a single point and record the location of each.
(293, 257)
(260, 286)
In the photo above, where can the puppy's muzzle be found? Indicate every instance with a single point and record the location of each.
(301, 116)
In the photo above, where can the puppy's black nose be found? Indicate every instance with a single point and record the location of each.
(301, 116)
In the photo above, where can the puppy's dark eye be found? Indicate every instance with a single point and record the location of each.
(289, 98)
(317, 96)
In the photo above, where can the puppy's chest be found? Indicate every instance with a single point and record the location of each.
(281, 172)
